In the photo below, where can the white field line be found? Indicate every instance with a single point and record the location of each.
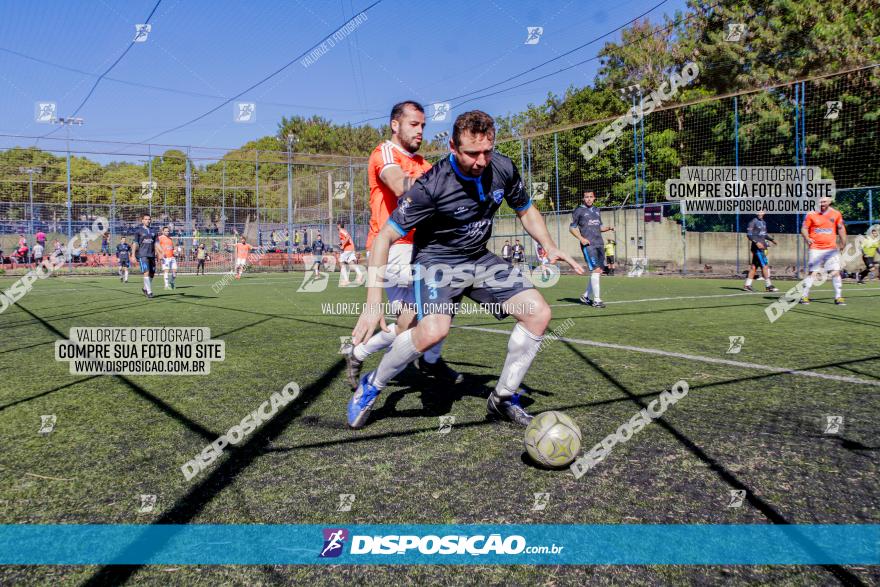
(745, 293)
(740, 364)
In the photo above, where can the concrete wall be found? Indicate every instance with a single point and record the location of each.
(663, 244)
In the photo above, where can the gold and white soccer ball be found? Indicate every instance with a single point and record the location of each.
(553, 439)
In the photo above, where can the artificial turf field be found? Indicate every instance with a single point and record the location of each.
(740, 426)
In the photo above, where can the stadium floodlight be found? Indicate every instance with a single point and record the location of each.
(69, 121)
(441, 136)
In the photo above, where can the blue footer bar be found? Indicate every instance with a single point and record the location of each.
(72, 544)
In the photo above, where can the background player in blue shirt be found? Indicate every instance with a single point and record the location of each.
(145, 251)
(758, 237)
(452, 208)
(586, 226)
(123, 252)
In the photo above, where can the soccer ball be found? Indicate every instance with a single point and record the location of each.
(553, 439)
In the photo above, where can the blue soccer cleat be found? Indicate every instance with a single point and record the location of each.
(361, 403)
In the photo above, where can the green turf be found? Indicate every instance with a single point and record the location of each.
(739, 427)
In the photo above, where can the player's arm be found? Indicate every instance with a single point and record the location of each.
(394, 177)
(573, 229)
(805, 231)
(534, 224)
(841, 233)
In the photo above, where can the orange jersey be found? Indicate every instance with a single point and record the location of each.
(345, 241)
(242, 250)
(382, 200)
(166, 246)
(822, 228)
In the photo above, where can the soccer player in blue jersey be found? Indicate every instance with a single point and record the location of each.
(145, 252)
(758, 238)
(123, 252)
(586, 226)
(452, 208)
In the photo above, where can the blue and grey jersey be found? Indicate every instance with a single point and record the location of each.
(123, 250)
(453, 213)
(318, 247)
(588, 220)
(757, 231)
(145, 238)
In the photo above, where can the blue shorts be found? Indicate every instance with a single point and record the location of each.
(148, 265)
(594, 257)
(436, 292)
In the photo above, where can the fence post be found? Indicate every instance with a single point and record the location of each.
(223, 200)
(112, 209)
(797, 263)
(736, 162)
(257, 179)
(289, 242)
(683, 209)
(150, 174)
(69, 212)
(870, 209)
(189, 227)
(556, 168)
(351, 229)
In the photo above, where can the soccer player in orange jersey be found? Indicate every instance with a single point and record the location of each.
(825, 234)
(347, 259)
(166, 253)
(242, 250)
(392, 169)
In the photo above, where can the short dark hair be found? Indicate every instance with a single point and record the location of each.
(475, 122)
(398, 109)
(341, 224)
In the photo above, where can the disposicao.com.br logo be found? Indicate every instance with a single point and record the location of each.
(476, 545)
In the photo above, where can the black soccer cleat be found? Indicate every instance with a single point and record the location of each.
(772, 288)
(352, 367)
(586, 300)
(748, 288)
(508, 409)
(439, 370)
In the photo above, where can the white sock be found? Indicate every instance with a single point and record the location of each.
(594, 282)
(432, 355)
(148, 284)
(165, 275)
(521, 350)
(767, 282)
(748, 282)
(808, 283)
(344, 272)
(379, 341)
(837, 282)
(402, 353)
(589, 291)
(359, 271)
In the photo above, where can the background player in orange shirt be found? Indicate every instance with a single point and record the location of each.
(392, 169)
(347, 259)
(166, 252)
(242, 250)
(821, 230)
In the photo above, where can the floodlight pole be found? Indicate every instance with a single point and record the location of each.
(31, 171)
(291, 139)
(67, 123)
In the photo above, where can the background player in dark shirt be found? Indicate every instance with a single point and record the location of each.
(318, 251)
(145, 251)
(123, 252)
(452, 208)
(758, 237)
(586, 226)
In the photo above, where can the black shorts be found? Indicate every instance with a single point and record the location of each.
(609, 259)
(438, 285)
(869, 261)
(594, 257)
(148, 266)
(124, 263)
(759, 257)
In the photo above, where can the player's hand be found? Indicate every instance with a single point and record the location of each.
(371, 317)
(760, 246)
(557, 255)
(585, 242)
(809, 242)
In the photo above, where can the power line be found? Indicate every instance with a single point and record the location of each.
(162, 88)
(579, 47)
(259, 83)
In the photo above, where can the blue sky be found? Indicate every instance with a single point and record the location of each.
(208, 51)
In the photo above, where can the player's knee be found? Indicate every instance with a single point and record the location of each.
(432, 331)
(539, 318)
